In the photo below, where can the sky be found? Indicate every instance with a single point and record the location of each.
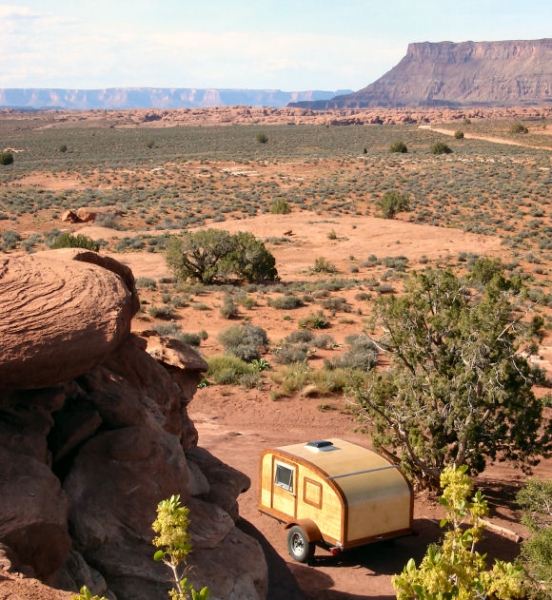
(290, 45)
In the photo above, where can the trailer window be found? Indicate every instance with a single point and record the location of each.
(284, 477)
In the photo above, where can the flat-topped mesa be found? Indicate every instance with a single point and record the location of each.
(505, 73)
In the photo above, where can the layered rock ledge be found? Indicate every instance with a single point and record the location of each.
(94, 432)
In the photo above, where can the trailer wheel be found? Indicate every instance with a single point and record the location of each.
(299, 546)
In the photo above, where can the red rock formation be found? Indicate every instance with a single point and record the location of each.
(87, 459)
(506, 73)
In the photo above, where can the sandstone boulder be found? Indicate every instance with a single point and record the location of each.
(58, 318)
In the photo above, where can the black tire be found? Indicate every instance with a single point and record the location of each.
(299, 547)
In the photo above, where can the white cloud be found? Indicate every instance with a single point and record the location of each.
(41, 50)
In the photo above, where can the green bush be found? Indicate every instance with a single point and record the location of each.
(440, 148)
(262, 138)
(228, 310)
(63, 148)
(518, 128)
(362, 355)
(459, 135)
(392, 203)
(323, 265)
(227, 369)
(289, 354)
(314, 321)
(10, 239)
(280, 207)
(301, 336)
(244, 341)
(535, 500)
(398, 147)
(6, 158)
(286, 302)
(161, 312)
(67, 240)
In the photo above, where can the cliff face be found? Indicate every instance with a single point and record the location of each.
(95, 432)
(465, 74)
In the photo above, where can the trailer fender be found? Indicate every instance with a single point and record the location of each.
(309, 527)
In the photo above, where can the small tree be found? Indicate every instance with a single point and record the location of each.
(459, 390)
(173, 541)
(393, 203)
(6, 158)
(454, 569)
(439, 148)
(535, 499)
(398, 146)
(214, 255)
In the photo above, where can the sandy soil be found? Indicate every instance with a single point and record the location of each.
(237, 425)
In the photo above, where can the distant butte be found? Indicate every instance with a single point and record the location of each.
(467, 74)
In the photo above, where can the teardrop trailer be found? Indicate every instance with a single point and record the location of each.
(334, 494)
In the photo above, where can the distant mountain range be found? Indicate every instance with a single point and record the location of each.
(123, 98)
(462, 74)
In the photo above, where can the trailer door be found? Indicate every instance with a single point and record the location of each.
(284, 493)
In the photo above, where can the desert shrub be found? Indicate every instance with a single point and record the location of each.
(262, 138)
(323, 341)
(292, 378)
(459, 135)
(10, 239)
(335, 381)
(167, 329)
(336, 304)
(244, 341)
(398, 146)
(280, 207)
(286, 302)
(67, 240)
(161, 312)
(63, 148)
(146, 283)
(288, 354)
(314, 321)
(399, 263)
(303, 335)
(392, 203)
(332, 235)
(440, 148)
(535, 500)
(362, 354)
(518, 128)
(227, 369)
(6, 158)
(228, 310)
(323, 265)
(454, 568)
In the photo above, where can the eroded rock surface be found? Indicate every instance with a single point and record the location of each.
(94, 432)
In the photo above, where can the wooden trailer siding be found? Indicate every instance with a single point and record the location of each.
(347, 493)
(376, 501)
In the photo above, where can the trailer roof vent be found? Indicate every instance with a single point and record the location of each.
(320, 446)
